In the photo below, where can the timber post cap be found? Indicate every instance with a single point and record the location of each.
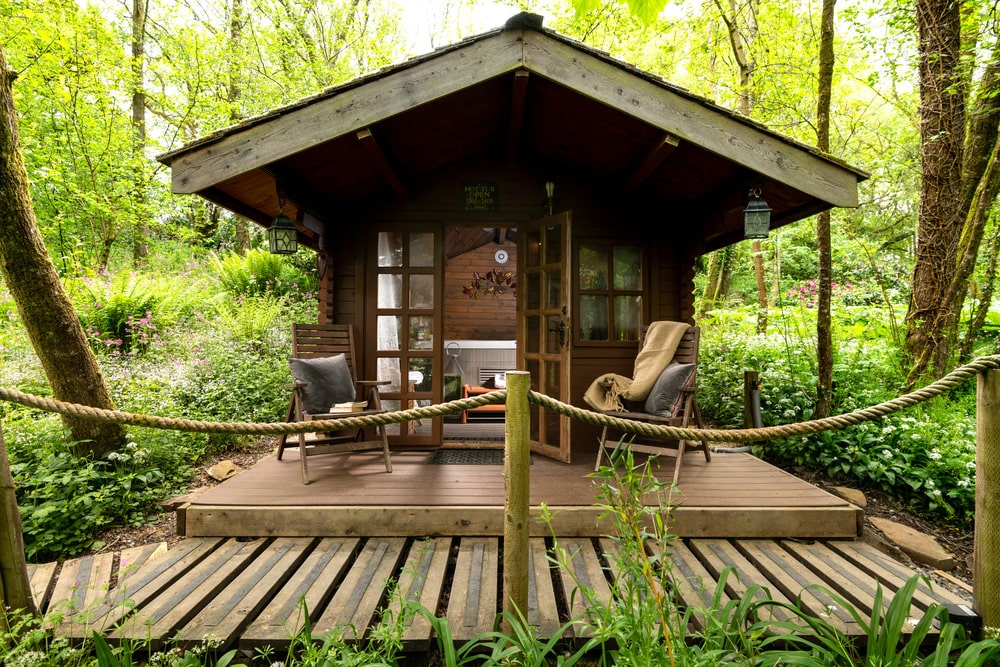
(524, 20)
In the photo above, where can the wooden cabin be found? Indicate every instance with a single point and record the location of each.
(595, 184)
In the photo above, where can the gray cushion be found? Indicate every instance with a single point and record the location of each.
(665, 398)
(326, 380)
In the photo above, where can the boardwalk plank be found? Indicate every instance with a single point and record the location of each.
(694, 587)
(892, 573)
(797, 583)
(225, 615)
(159, 619)
(743, 578)
(421, 581)
(585, 573)
(42, 580)
(83, 584)
(836, 573)
(543, 608)
(472, 605)
(311, 585)
(353, 606)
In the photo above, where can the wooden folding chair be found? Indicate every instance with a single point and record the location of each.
(683, 411)
(324, 369)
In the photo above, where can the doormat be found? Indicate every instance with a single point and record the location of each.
(468, 457)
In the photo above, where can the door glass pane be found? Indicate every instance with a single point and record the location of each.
(627, 309)
(420, 374)
(593, 317)
(532, 338)
(628, 267)
(421, 291)
(390, 249)
(593, 267)
(533, 297)
(421, 332)
(553, 289)
(392, 406)
(533, 248)
(390, 290)
(388, 370)
(390, 332)
(422, 249)
(553, 245)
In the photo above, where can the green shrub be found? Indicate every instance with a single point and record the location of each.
(923, 456)
(259, 272)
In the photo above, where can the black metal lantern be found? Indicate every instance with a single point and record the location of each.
(756, 217)
(282, 237)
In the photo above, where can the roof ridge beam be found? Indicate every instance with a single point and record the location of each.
(377, 155)
(519, 97)
(653, 158)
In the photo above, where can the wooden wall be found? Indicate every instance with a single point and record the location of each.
(485, 318)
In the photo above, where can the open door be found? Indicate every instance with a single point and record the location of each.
(544, 325)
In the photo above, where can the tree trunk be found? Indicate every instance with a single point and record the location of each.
(978, 319)
(44, 307)
(758, 271)
(941, 218)
(711, 289)
(140, 213)
(15, 588)
(824, 327)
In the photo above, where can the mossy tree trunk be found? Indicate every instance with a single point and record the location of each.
(45, 309)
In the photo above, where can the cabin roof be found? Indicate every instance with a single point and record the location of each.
(526, 94)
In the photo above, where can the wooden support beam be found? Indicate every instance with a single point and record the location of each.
(653, 158)
(517, 102)
(388, 172)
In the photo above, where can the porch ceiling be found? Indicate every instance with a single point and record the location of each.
(526, 95)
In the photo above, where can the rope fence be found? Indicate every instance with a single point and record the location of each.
(948, 382)
(518, 398)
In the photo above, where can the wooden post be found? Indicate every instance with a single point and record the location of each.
(517, 487)
(986, 551)
(750, 384)
(15, 589)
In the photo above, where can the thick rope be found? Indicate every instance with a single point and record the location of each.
(249, 428)
(948, 382)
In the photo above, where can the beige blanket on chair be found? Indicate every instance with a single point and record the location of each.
(657, 350)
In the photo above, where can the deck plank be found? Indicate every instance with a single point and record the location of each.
(797, 583)
(144, 586)
(742, 578)
(421, 581)
(185, 597)
(891, 572)
(585, 576)
(309, 588)
(694, 587)
(472, 604)
(224, 616)
(543, 608)
(850, 581)
(353, 606)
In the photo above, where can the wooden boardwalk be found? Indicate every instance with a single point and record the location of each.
(736, 495)
(252, 593)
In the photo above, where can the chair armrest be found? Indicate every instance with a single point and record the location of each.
(374, 383)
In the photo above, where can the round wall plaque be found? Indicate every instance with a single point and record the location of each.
(500, 256)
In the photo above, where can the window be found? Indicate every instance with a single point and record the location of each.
(610, 307)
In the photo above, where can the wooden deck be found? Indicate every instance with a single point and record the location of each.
(252, 593)
(734, 496)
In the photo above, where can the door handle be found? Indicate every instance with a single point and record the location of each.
(561, 329)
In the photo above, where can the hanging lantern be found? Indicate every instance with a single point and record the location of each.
(756, 217)
(282, 237)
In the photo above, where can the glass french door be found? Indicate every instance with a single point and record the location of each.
(404, 312)
(544, 317)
